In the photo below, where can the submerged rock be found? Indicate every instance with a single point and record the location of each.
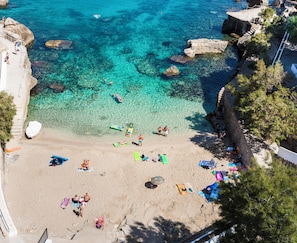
(180, 59)
(57, 88)
(171, 71)
(59, 44)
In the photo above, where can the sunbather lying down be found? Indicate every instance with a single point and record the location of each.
(99, 222)
(86, 164)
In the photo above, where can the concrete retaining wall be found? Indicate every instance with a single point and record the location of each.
(235, 132)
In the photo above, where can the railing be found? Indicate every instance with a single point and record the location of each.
(43, 237)
(4, 221)
(281, 48)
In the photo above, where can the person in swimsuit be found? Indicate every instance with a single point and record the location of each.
(165, 131)
(140, 140)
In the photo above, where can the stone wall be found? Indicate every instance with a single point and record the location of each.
(235, 131)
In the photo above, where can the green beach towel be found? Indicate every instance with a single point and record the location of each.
(119, 144)
(137, 156)
(164, 159)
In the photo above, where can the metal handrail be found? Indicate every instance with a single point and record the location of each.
(281, 48)
(4, 221)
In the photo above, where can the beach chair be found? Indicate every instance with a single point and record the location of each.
(207, 164)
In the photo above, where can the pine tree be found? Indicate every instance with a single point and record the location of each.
(7, 112)
(260, 206)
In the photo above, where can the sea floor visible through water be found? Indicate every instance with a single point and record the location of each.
(129, 44)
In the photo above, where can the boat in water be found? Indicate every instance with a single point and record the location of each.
(33, 129)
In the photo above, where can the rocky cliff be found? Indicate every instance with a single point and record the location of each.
(13, 31)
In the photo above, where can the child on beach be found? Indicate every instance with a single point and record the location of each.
(160, 130)
(140, 140)
(99, 222)
(165, 131)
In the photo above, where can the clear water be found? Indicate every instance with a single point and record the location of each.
(130, 44)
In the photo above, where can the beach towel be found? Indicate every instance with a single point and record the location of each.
(207, 164)
(119, 144)
(137, 156)
(219, 176)
(189, 187)
(234, 164)
(182, 189)
(85, 170)
(7, 150)
(164, 159)
(65, 202)
(57, 160)
(211, 192)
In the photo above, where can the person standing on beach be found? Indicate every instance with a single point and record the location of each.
(160, 130)
(7, 58)
(165, 131)
(140, 140)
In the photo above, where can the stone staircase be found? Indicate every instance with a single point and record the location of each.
(17, 130)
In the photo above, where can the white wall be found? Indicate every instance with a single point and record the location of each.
(287, 155)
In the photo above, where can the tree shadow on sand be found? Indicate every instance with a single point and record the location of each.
(207, 137)
(162, 231)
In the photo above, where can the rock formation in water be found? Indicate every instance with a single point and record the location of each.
(203, 45)
(3, 3)
(59, 44)
(13, 31)
(171, 71)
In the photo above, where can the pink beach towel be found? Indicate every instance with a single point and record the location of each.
(65, 202)
(219, 176)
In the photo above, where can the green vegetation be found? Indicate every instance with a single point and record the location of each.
(268, 15)
(268, 108)
(259, 45)
(291, 26)
(260, 205)
(7, 111)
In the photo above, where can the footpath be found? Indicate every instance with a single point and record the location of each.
(12, 80)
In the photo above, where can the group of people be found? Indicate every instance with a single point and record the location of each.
(110, 82)
(163, 131)
(79, 203)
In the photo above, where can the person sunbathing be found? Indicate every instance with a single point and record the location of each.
(87, 197)
(86, 164)
(99, 222)
(75, 199)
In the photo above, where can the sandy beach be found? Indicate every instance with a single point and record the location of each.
(34, 190)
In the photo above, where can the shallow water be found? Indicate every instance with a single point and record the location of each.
(129, 43)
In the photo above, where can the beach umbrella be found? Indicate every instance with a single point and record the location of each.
(157, 180)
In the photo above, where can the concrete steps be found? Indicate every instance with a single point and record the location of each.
(17, 130)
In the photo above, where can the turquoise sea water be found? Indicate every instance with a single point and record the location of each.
(130, 44)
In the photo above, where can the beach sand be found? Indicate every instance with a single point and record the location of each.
(34, 190)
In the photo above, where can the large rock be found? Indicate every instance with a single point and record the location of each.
(13, 31)
(3, 3)
(171, 71)
(59, 44)
(203, 45)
